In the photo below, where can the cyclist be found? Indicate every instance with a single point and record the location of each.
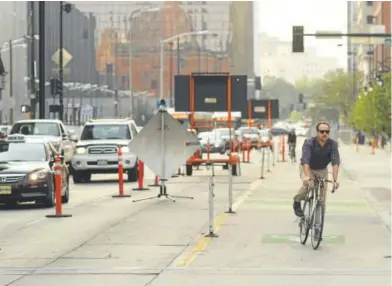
(292, 142)
(317, 153)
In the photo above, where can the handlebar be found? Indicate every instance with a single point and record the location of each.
(320, 179)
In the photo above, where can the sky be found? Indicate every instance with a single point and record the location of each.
(276, 18)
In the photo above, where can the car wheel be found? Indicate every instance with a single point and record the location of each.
(189, 170)
(86, 178)
(133, 173)
(77, 178)
(50, 200)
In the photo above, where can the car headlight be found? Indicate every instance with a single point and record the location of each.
(38, 175)
(125, 149)
(80, 150)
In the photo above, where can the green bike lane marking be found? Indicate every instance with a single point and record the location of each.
(349, 206)
(292, 238)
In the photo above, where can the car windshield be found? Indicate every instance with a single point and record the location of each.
(23, 152)
(105, 132)
(248, 131)
(36, 128)
(204, 135)
(264, 133)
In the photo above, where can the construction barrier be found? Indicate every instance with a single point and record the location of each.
(156, 182)
(57, 190)
(140, 180)
(120, 176)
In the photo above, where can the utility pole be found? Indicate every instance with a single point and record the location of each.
(41, 28)
(33, 95)
(61, 93)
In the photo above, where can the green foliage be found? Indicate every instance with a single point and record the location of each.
(334, 91)
(372, 112)
(295, 116)
(278, 88)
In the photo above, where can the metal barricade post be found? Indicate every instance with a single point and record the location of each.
(273, 150)
(230, 210)
(211, 195)
(262, 162)
(57, 189)
(248, 151)
(268, 159)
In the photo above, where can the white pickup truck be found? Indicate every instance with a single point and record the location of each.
(51, 130)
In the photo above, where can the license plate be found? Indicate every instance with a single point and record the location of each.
(5, 190)
(102, 162)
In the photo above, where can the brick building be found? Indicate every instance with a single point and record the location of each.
(382, 16)
(231, 51)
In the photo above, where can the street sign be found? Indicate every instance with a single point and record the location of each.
(67, 57)
(325, 35)
(177, 145)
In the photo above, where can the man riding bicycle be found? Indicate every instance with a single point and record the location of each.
(292, 142)
(317, 153)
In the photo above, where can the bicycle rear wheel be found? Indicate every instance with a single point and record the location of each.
(304, 224)
(317, 225)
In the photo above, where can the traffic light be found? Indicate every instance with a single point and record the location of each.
(52, 86)
(56, 87)
(298, 39)
(300, 98)
(59, 87)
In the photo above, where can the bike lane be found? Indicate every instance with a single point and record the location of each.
(260, 243)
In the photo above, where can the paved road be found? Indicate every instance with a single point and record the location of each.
(371, 174)
(160, 243)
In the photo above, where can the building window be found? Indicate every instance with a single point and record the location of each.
(369, 3)
(369, 19)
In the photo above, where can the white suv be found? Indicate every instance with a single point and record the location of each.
(96, 151)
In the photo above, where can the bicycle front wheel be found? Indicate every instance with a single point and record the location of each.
(304, 225)
(317, 225)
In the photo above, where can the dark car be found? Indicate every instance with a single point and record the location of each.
(27, 172)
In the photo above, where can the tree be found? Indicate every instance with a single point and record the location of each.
(372, 111)
(285, 92)
(334, 91)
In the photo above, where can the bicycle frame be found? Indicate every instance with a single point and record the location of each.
(313, 203)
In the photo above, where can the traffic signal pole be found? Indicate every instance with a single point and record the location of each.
(41, 28)
(61, 93)
(298, 37)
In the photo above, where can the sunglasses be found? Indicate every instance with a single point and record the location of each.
(324, 131)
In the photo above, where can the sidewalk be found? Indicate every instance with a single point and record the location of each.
(371, 174)
(259, 245)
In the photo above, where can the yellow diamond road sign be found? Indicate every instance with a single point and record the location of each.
(67, 57)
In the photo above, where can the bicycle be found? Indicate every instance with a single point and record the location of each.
(313, 206)
(292, 152)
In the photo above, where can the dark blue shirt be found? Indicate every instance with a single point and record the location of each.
(318, 157)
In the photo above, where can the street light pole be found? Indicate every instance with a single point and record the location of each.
(167, 40)
(42, 43)
(61, 93)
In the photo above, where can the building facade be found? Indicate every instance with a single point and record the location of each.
(382, 52)
(351, 46)
(143, 24)
(277, 60)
